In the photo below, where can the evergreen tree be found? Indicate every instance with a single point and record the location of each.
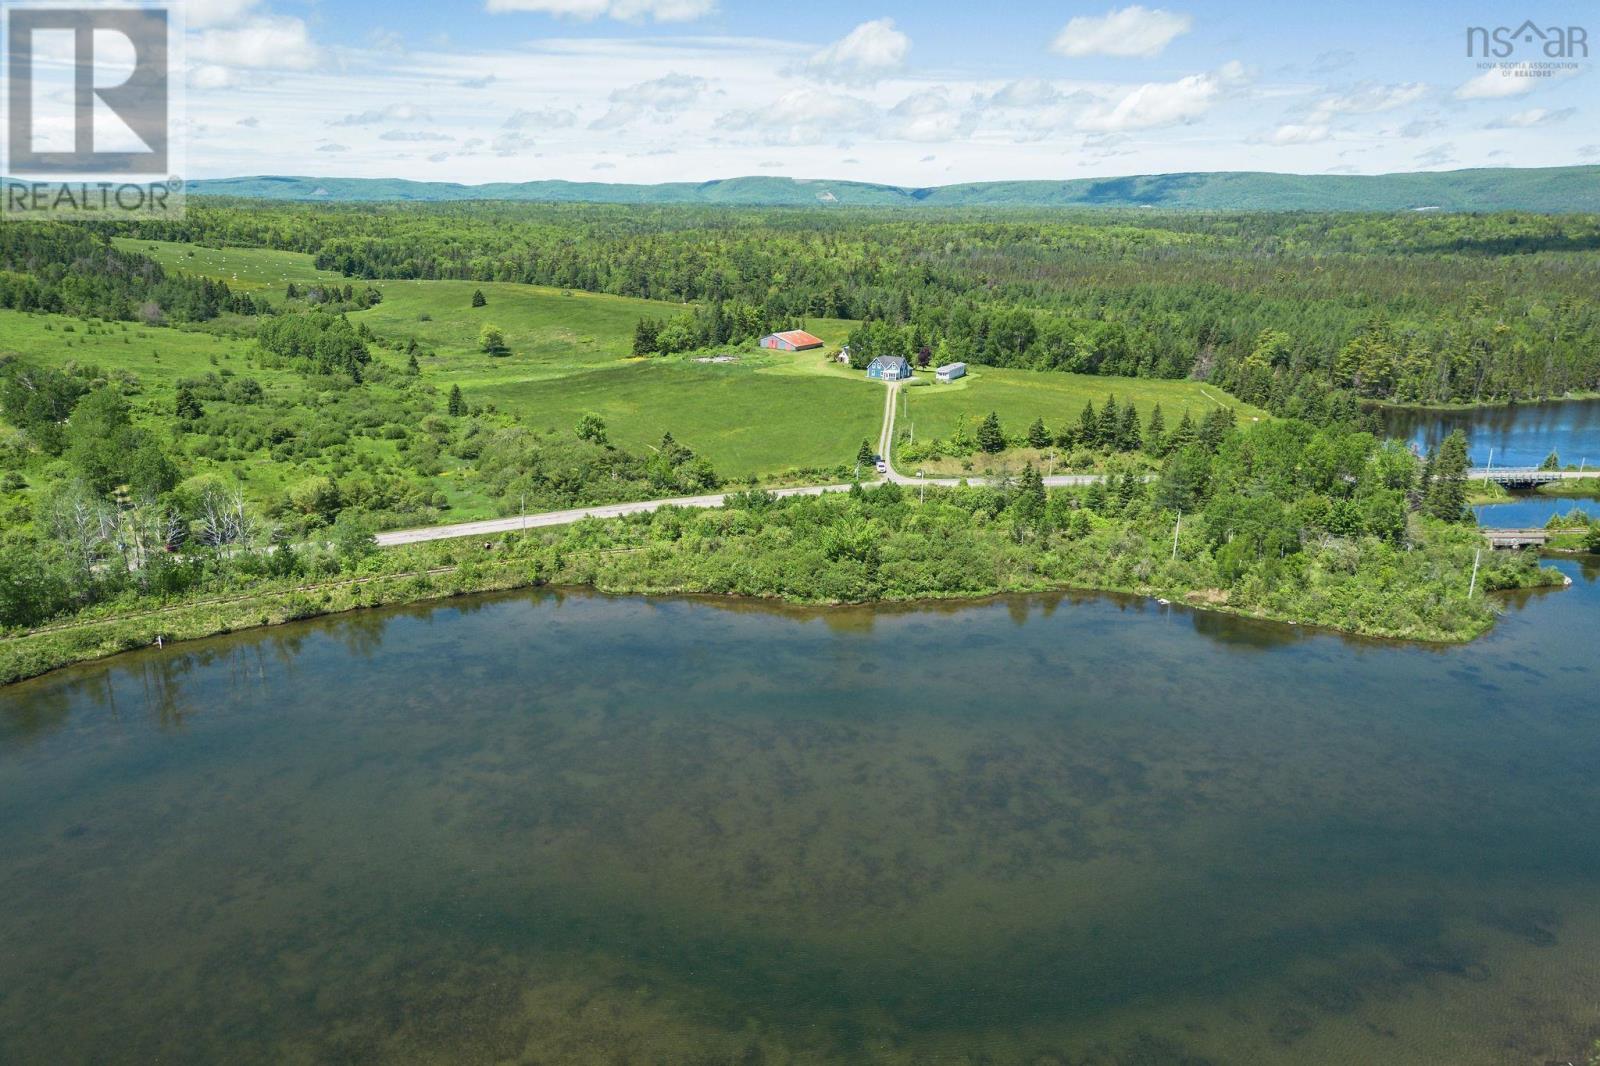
(478, 299)
(1088, 426)
(1129, 488)
(412, 366)
(1095, 498)
(1129, 439)
(646, 337)
(864, 453)
(990, 437)
(1105, 432)
(187, 406)
(457, 406)
(1155, 432)
(1028, 506)
(1216, 425)
(291, 291)
(1038, 436)
(1446, 496)
(1183, 436)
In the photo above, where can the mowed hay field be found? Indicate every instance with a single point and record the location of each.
(571, 354)
(747, 420)
(1020, 396)
(252, 270)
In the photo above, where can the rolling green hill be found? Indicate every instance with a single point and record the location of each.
(1544, 189)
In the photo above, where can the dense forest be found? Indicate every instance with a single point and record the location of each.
(1276, 308)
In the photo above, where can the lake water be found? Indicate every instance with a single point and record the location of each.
(1522, 435)
(1532, 511)
(570, 828)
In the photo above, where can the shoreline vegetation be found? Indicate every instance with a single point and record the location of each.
(1490, 404)
(867, 545)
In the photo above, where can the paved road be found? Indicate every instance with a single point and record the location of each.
(545, 519)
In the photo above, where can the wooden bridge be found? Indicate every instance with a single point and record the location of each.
(1516, 539)
(1527, 477)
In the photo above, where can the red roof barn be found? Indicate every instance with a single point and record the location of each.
(792, 340)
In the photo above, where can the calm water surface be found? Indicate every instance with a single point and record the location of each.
(1529, 511)
(542, 828)
(1522, 435)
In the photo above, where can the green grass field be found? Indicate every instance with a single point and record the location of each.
(158, 355)
(246, 269)
(747, 421)
(1020, 396)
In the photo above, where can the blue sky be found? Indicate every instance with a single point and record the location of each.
(920, 94)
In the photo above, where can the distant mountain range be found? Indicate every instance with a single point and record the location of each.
(1544, 189)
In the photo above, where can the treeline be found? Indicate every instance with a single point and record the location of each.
(1459, 308)
(69, 269)
(706, 326)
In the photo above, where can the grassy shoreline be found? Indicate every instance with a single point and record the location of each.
(446, 569)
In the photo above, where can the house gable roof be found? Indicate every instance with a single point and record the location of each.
(799, 338)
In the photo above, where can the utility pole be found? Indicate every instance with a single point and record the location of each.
(1488, 470)
(1175, 529)
(1473, 585)
(524, 512)
(922, 490)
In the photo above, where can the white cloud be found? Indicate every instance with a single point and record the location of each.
(866, 53)
(331, 147)
(1438, 155)
(805, 116)
(200, 14)
(1165, 103)
(211, 76)
(1328, 62)
(623, 10)
(413, 136)
(659, 98)
(506, 144)
(929, 117)
(1131, 31)
(1299, 133)
(1369, 100)
(1421, 127)
(547, 118)
(391, 113)
(1534, 116)
(1026, 93)
(267, 43)
(1494, 85)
